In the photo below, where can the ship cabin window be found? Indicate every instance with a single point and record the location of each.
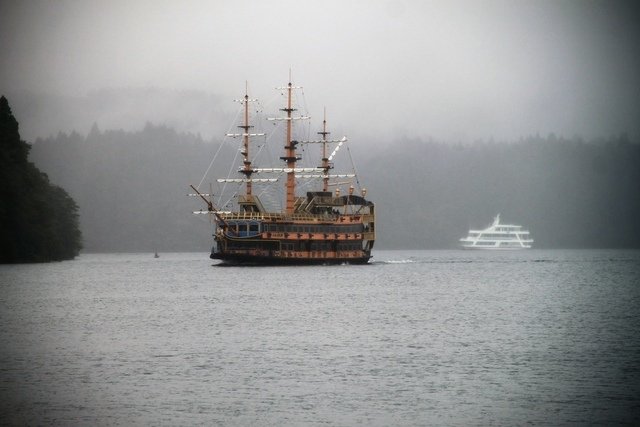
(495, 236)
(287, 246)
(320, 246)
(245, 228)
(349, 246)
(320, 228)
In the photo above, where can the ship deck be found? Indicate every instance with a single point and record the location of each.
(296, 217)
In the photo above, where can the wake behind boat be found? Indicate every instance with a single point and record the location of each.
(321, 227)
(498, 237)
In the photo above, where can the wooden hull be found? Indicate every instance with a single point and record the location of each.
(301, 239)
(244, 259)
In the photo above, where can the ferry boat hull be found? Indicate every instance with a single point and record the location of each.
(498, 237)
(495, 248)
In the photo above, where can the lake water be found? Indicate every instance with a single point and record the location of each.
(415, 338)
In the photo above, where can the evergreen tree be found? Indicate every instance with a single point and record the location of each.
(38, 220)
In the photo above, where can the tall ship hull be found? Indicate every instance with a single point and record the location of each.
(498, 237)
(324, 230)
(323, 226)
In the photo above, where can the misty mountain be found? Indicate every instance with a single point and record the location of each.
(568, 193)
(190, 111)
(131, 188)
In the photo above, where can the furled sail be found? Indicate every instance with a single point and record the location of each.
(342, 175)
(288, 170)
(245, 180)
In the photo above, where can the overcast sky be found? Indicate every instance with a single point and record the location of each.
(447, 69)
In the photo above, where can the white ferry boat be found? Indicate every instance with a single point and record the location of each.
(498, 237)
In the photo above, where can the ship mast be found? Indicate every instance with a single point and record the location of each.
(290, 156)
(290, 148)
(246, 170)
(325, 161)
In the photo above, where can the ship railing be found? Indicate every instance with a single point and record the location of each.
(298, 216)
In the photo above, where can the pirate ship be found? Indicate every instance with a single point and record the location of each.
(326, 225)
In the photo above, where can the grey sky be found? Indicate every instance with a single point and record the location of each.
(448, 69)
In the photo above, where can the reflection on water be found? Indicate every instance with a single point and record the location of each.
(417, 337)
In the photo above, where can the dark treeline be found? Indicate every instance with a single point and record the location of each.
(38, 220)
(131, 186)
(567, 192)
(131, 189)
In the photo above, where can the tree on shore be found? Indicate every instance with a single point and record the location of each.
(38, 220)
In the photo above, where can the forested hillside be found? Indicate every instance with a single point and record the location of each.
(38, 220)
(569, 193)
(131, 188)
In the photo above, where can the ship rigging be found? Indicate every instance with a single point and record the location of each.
(321, 227)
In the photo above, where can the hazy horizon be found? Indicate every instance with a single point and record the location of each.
(460, 70)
